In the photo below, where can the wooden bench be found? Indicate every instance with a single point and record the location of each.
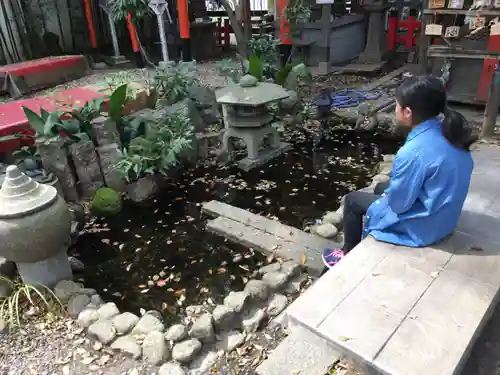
(414, 311)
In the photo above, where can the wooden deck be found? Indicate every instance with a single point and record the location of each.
(408, 311)
(267, 236)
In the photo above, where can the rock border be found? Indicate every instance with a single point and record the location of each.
(208, 332)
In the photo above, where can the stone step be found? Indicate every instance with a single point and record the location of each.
(302, 352)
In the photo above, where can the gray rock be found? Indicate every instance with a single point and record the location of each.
(325, 230)
(203, 328)
(223, 317)
(108, 311)
(156, 314)
(333, 218)
(103, 331)
(253, 320)
(87, 291)
(171, 368)
(176, 333)
(154, 348)
(276, 305)
(203, 363)
(289, 103)
(124, 322)
(147, 324)
(290, 268)
(187, 108)
(88, 317)
(275, 280)
(65, 289)
(273, 267)
(236, 300)
(127, 345)
(196, 310)
(96, 300)
(231, 341)
(296, 284)
(5, 289)
(76, 304)
(257, 290)
(185, 351)
(7, 268)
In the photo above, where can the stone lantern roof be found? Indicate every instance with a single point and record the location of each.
(250, 92)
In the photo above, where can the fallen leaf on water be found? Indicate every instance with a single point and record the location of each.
(303, 259)
(344, 338)
(104, 359)
(161, 283)
(144, 291)
(88, 360)
(97, 346)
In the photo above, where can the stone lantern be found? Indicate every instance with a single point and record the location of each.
(35, 227)
(246, 116)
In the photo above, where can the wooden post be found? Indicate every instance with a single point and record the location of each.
(134, 42)
(90, 23)
(184, 28)
(491, 110)
(326, 30)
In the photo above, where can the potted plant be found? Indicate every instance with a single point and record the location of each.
(148, 159)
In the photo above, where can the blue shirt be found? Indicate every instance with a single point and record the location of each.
(429, 183)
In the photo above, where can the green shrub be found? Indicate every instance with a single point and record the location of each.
(106, 202)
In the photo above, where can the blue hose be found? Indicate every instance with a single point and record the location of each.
(346, 98)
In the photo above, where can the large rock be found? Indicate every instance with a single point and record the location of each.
(187, 108)
(103, 331)
(275, 280)
(87, 167)
(108, 311)
(177, 332)
(204, 99)
(333, 218)
(127, 345)
(273, 267)
(65, 289)
(295, 285)
(124, 322)
(185, 351)
(88, 317)
(7, 270)
(147, 324)
(203, 328)
(325, 230)
(108, 156)
(236, 300)
(276, 305)
(257, 290)
(154, 348)
(253, 320)
(223, 317)
(290, 268)
(76, 304)
(231, 341)
(171, 368)
(204, 363)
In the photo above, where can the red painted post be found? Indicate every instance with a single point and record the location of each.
(227, 40)
(90, 23)
(392, 30)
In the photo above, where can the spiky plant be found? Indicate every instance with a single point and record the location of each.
(25, 297)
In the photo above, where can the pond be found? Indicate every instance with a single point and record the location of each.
(159, 256)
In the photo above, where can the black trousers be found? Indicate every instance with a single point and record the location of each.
(355, 207)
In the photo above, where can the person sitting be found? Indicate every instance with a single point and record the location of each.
(430, 176)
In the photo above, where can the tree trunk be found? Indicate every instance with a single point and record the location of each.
(241, 40)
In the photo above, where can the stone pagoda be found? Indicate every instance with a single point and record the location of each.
(247, 117)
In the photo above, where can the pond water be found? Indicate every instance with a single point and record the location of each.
(159, 256)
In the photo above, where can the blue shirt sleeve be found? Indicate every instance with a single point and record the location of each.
(407, 178)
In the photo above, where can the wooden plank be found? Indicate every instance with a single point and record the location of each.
(389, 77)
(265, 242)
(438, 333)
(285, 232)
(333, 287)
(371, 313)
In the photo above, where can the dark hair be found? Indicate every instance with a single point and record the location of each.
(426, 97)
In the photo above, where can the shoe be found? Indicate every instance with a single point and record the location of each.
(332, 256)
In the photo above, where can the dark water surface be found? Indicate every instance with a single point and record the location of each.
(159, 256)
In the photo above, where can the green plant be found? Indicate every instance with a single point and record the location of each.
(48, 125)
(24, 297)
(106, 202)
(158, 150)
(173, 80)
(116, 80)
(227, 68)
(80, 119)
(290, 74)
(297, 12)
(265, 47)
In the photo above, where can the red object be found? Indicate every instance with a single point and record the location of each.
(409, 39)
(90, 23)
(489, 67)
(284, 25)
(226, 34)
(133, 36)
(13, 119)
(41, 65)
(182, 10)
(223, 33)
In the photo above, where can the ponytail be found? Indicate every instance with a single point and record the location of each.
(457, 130)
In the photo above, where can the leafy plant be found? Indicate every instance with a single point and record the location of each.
(116, 80)
(255, 67)
(158, 150)
(48, 124)
(24, 297)
(227, 68)
(172, 81)
(80, 120)
(290, 74)
(265, 47)
(297, 12)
